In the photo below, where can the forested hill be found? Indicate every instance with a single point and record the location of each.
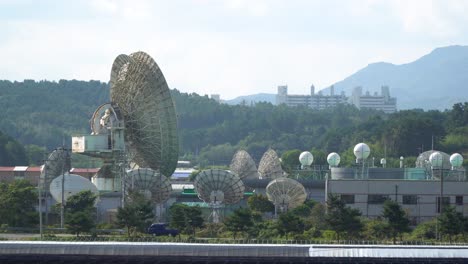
(47, 113)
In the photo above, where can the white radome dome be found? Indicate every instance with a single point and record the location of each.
(73, 184)
(436, 159)
(361, 151)
(456, 160)
(306, 158)
(333, 159)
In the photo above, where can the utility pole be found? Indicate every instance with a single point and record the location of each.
(62, 207)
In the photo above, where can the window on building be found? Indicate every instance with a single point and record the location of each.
(377, 198)
(347, 198)
(410, 199)
(445, 200)
(459, 200)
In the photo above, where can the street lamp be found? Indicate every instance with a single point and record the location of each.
(333, 160)
(436, 161)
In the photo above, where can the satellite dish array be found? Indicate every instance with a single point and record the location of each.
(136, 132)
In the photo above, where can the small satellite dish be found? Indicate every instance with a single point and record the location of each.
(270, 165)
(286, 193)
(217, 188)
(152, 184)
(361, 151)
(306, 159)
(72, 185)
(333, 159)
(243, 165)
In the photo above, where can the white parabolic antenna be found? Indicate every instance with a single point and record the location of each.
(139, 89)
(73, 184)
(153, 185)
(286, 193)
(333, 159)
(56, 164)
(306, 158)
(243, 165)
(270, 165)
(361, 151)
(219, 186)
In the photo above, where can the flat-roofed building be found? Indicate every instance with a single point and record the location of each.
(314, 101)
(320, 101)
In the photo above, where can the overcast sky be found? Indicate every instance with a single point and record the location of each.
(232, 47)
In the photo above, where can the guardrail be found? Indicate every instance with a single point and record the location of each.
(237, 241)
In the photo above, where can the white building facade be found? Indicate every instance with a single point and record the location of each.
(319, 101)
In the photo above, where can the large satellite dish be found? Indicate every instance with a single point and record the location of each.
(152, 184)
(218, 187)
(72, 184)
(139, 89)
(270, 165)
(286, 193)
(243, 165)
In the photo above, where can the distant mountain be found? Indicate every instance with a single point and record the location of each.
(248, 99)
(435, 81)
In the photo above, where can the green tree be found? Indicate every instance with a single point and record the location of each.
(397, 221)
(185, 218)
(342, 219)
(241, 220)
(425, 230)
(290, 223)
(136, 215)
(302, 210)
(17, 204)
(290, 160)
(317, 216)
(80, 213)
(375, 229)
(451, 222)
(260, 203)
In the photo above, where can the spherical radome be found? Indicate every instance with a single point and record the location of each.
(436, 159)
(361, 151)
(333, 159)
(456, 160)
(306, 158)
(73, 184)
(152, 184)
(219, 186)
(286, 192)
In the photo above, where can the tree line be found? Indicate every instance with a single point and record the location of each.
(43, 115)
(333, 220)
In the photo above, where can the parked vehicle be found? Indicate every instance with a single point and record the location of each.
(160, 229)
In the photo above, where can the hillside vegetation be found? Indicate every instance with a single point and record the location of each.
(45, 114)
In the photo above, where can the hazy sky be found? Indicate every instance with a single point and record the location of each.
(232, 47)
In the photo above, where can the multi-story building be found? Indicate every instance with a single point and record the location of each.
(314, 101)
(378, 102)
(319, 101)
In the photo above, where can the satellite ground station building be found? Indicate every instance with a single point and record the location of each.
(319, 101)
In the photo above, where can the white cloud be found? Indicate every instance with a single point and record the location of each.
(199, 55)
(436, 18)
